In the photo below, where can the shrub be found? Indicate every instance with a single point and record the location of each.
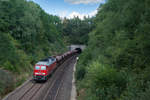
(104, 82)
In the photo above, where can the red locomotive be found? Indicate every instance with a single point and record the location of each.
(45, 67)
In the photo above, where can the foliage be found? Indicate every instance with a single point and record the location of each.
(27, 34)
(77, 30)
(103, 82)
(120, 39)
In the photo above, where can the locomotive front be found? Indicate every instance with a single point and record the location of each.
(40, 71)
(44, 68)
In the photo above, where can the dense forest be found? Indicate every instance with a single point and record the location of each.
(75, 30)
(28, 34)
(116, 63)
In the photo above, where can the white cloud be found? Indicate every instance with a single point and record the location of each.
(81, 15)
(75, 14)
(84, 1)
(93, 13)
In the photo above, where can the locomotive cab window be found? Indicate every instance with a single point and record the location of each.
(43, 67)
(37, 67)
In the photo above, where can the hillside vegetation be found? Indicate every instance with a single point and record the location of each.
(27, 34)
(116, 63)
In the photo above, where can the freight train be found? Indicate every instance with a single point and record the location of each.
(45, 67)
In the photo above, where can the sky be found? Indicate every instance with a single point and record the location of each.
(70, 8)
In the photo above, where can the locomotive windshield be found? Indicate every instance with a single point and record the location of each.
(43, 67)
(37, 67)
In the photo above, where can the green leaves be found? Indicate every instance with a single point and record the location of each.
(33, 29)
(77, 30)
(121, 39)
(27, 34)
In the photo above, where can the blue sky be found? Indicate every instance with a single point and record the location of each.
(70, 8)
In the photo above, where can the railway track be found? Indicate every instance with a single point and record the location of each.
(61, 83)
(26, 92)
(65, 87)
(54, 89)
(42, 91)
(31, 92)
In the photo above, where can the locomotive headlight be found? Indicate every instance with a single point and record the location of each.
(36, 73)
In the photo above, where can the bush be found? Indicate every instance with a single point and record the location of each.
(104, 82)
(136, 89)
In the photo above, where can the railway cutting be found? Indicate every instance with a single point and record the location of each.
(57, 87)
